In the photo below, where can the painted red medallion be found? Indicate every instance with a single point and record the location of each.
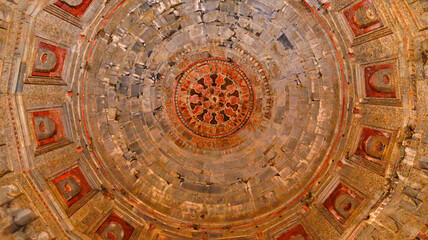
(213, 98)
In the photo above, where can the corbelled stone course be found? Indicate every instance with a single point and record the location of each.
(107, 132)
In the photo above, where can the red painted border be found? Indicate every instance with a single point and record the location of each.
(341, 189)
(56, 117)
(113, 217)
(84, 185)
(350, 16)
(294, 232)
(365, 134)
(78, 10)
(60, 58)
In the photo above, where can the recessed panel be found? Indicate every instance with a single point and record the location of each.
(363, 18)
(296, 233)
(48, 126)
(342, 202)
(72, 186)
(49, 60)
(74, 7)
(114, 227)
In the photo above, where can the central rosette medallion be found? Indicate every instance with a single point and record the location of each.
(213, 98)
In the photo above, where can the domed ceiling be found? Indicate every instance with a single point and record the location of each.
(196, 120)
(209, 119)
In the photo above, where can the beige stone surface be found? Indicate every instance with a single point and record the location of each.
(147, 170)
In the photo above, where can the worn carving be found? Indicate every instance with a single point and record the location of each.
(214, 174)
(72, 186)
(72, 3)
(8, 193)
(43, 236)
(419, 11)
(21, 218)
(74, 7)
(114, 227)
(49, 60)
(423, 163)
(48, 126)
(379, 81)
(372, 144)
(342, 202)
(296, 233)
(4, 167)
(45, 61)
(45, 127)
(69, 188)
(113, 231)
(363, 18)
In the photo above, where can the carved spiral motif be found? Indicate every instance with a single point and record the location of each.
(213, 98)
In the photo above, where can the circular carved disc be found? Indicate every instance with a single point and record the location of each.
(213, 98)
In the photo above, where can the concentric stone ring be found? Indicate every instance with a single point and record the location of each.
(213, 98)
